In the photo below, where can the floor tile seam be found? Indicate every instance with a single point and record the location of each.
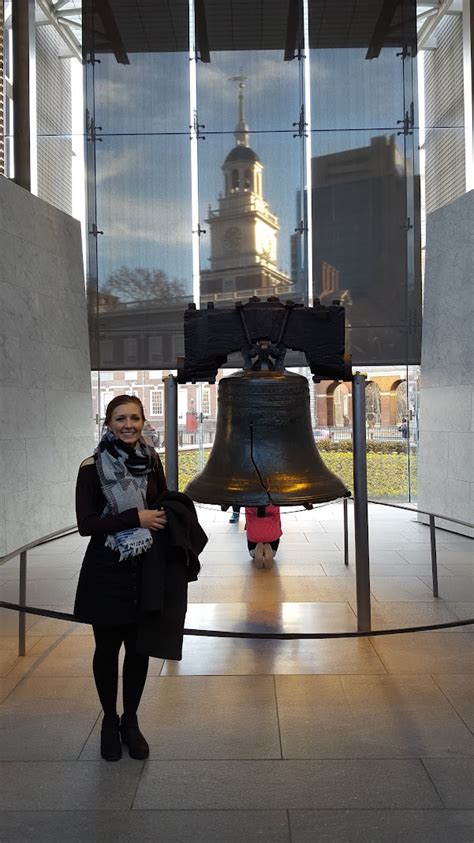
(29, 675)
(277, 711)
(143, 765)
(441, 809)
(89, 735)
(4, 700)
(355, 758)
(377, 655)
(450, 702)
(438, 809)
(433, 783)
(425, 757)
(305, 673)
(286, 761)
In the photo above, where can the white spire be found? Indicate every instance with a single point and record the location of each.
(241, 130)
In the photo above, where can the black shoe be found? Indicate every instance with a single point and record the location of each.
(110, 745)
(133, 738)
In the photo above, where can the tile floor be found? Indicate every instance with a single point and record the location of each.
(265, 740)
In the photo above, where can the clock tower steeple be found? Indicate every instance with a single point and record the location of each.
(243, 231)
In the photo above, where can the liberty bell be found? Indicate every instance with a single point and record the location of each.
(264, 450)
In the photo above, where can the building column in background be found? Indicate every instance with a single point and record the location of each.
(24, 94)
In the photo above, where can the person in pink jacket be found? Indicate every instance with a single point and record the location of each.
(263, 525)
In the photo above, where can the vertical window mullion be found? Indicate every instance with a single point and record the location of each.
(193, 121)
(307, 186)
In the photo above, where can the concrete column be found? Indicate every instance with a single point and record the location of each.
(468, 63)
(24, 94)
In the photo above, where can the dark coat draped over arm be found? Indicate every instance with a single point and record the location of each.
(167, 568)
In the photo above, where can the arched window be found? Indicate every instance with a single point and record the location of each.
(402, 403)
(341, 406)
(235, 180)
(372, 404)
(247, 180)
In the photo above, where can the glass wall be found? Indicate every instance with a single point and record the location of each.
(240, 149)
(140, 232)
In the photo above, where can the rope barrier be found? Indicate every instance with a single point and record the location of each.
(291, 510)
(280, 636)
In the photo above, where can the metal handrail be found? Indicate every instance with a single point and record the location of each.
(22, 553)
(43, 540)
(424, 512)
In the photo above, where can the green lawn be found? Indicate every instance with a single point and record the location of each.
(387, 474)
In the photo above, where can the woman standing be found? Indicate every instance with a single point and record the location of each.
(114, 490)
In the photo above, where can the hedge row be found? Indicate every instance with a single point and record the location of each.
(387, 474)
(373, 446)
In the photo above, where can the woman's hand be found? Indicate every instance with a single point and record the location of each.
(152, 519)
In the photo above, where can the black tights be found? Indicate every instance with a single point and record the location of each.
(108, 641)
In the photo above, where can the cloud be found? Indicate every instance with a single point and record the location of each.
(109, 167)
(156, 221)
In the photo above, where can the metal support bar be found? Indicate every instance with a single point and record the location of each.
(346, 533)
(171, 432)
(361, 521)
(24, 93)
(22, 602)
(434, 560)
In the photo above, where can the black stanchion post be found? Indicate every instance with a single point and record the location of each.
(22, 602)
(434, 560)
(171, 432)
(361, 520)
(346, 533)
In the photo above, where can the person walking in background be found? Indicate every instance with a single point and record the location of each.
(150, 435)
(263, 525)
(235, 515)
(403, 428)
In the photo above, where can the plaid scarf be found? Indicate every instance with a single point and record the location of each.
(123, 472)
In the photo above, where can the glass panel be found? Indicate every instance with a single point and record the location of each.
(250, 161)
(140, 266)
(147, 385)
(391, 430)
(248, 204)
(359, 183)
(268, 88)
(148, 96)
(365, 182)
(350, 92)
(144, 252)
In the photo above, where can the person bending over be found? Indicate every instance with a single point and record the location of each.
(263, 525)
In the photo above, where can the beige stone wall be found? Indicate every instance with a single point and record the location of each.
(46, 424)
(446, 471)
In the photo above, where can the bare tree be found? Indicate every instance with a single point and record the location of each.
(141, 284)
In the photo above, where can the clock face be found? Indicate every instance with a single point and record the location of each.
(232, 238)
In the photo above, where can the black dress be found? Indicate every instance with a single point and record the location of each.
(108, 590)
